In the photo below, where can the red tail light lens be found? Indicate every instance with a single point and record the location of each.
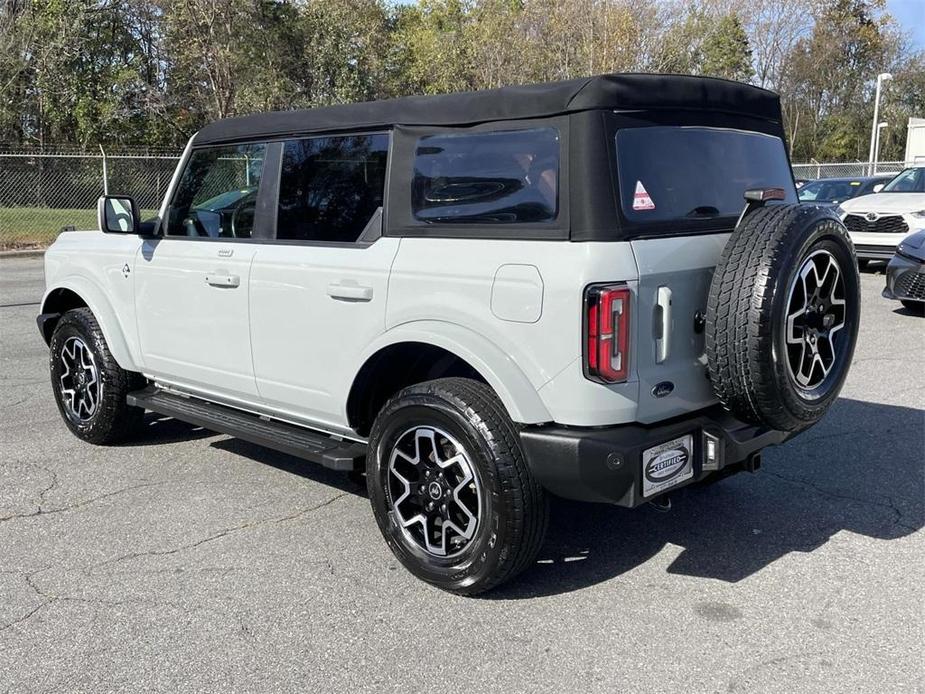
(607, 325)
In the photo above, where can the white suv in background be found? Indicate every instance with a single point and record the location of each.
(877, 223)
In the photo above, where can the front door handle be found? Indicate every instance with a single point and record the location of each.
(349, 291)
(218, 279)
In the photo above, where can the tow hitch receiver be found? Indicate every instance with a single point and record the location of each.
(662, 504)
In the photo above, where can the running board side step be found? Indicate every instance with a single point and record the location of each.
(326, 450)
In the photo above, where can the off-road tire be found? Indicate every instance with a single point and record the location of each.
(515, 508)
(113, 420)
(746, 315)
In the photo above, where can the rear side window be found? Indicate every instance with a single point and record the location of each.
(330, 187)
(217, 193)
(499, 177)
(670, 173)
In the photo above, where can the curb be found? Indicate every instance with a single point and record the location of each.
(27, 253)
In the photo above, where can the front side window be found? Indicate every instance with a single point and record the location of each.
(499, 177)
(330, 187)
(686, 174)
(217, 193)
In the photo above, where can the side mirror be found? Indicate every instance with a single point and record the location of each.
(878, 187)
(117, 214)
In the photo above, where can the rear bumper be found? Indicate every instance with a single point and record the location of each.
(605, 464)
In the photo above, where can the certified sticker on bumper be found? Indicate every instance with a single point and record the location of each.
(667, 465)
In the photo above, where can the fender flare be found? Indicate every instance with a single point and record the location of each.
(105, 315)
(518, 395)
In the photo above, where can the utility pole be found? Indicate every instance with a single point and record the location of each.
(881, 78)
(880, 126)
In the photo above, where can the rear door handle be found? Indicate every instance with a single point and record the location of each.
(223, 280)
(349, 291)
(663, 325)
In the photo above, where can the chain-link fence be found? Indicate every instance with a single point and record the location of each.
(41, 193)
(836, 170)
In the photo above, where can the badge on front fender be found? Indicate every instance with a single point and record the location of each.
(667, 465)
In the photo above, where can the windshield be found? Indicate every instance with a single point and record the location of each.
(828, 191)
(671, 173)
(909, 181)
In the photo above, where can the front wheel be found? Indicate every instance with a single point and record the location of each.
(89, 386)
(450, 488)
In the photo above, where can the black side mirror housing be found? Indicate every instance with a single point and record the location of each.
(118, 214)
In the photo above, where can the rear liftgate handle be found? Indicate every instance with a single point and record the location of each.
(662, 324)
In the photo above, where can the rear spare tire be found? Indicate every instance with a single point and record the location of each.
(782, 316)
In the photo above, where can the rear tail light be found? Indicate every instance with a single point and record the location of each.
(607, 325)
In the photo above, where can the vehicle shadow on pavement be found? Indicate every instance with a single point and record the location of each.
(158, 429)
(861, 470)
(293, 465)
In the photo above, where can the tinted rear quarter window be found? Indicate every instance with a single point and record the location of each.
(498, 177)
(330, 187)
(670, 173)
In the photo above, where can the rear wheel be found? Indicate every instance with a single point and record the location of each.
(89, 386)
(450, 488)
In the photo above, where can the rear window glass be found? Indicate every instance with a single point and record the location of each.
(500, 177)
(696, 173)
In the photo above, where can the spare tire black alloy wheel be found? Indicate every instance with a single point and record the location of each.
(815, 314)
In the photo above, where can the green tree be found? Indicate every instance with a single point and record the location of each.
(725, 51)
(430, 45)
(827, 90)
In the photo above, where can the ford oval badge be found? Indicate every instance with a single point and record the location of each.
(662, 389)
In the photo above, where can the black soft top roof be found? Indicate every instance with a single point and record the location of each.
(623, 92)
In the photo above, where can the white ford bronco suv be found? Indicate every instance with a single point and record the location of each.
(602, 289)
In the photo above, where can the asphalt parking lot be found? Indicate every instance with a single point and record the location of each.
(196, 562)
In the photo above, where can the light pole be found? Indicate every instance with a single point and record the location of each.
(881, 78)
(880, 126)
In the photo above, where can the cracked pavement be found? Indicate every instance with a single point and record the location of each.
(190, 561)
